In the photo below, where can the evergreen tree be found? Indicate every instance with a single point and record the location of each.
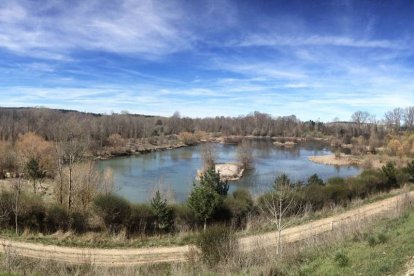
(203, 201)
(410, 170)
(315, 180)
(162, 212)
(34, 172)
(210, 178)
(389, 172)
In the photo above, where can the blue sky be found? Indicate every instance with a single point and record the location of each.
(315, 59)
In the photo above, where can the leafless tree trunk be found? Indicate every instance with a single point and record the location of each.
(279, 204)
(245, 154)
(208, 155)
(409, 117)
(17, 188)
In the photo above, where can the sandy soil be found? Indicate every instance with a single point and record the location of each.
(230, 171)
(124, 257)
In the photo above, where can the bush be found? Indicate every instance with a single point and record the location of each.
(32, 213)
(372, 241)
(217, 244)
(114, 211)
(78, 222)
(142, 220)
(341, 258)
(57, 219)
(382, 238)
(184, 218)
(6, 209)
(389, 173)
(240, 205)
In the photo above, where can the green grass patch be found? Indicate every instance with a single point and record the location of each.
(383, 251)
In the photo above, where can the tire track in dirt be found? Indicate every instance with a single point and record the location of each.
(129, 256)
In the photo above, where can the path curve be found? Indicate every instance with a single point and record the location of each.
(128, 256)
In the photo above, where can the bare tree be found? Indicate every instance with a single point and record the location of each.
(280, 203)
(360, 117)
(17, 185)
(409, 117)
(70, 148)
(245, 154)
(107, 182)
(87, 183)
(393, 118)
(208, 155)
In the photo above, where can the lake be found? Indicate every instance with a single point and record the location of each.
(136, 177)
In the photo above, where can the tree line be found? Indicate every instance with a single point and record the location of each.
(98, 127)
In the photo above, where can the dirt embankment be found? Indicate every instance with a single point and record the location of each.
(125, 257)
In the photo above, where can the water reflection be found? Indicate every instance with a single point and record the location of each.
(137, 176)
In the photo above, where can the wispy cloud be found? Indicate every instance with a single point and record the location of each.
(206, 58)
(54, 28)
(316, 40)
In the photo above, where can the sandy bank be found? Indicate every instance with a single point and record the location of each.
(228, 171)
(343, 160)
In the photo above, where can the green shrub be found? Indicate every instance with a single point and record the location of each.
(163, 213)
(114, 211)
(57, 219)
(341, 258)
(184, 218)
(372, 241)
(142, 220)
(315, 180)
(239, 206)
(336, 181)
(382, 238)
(217, 244)
(389, 173)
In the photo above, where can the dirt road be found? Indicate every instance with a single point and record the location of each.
(123, 257)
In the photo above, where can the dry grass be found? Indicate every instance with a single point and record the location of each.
(262, 261)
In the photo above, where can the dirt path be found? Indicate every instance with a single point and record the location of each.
(123, 257)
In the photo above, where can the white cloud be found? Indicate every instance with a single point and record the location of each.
(51, 29)
(270, 40)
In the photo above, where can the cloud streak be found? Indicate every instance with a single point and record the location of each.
(205, 59)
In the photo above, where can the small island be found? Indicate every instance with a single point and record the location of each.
(228, 171)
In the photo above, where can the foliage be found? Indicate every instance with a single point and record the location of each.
(390, 175)
(217, 243)
(203, 201)
(240, 205)
(162, 212)
(210, 178)
(142, 220)
(113, 210)
(410, 170)
(78, 222)
(341, 258)
(57, 219)
(315, 180)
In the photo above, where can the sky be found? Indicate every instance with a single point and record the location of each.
(315, 59)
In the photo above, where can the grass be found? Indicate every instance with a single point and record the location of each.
(384, 250)
(106, 240)
(381, 248)
(101, 239)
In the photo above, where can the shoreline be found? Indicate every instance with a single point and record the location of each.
(132, 149)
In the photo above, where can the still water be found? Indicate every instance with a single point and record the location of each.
(137, 177)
